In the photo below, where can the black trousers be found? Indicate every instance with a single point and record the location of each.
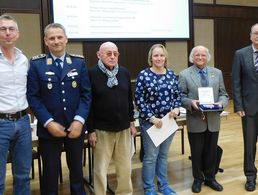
(50, 151)
(204, 154)
(250, 132)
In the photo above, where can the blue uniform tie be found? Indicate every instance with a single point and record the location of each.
(58, 64)
(204, 80)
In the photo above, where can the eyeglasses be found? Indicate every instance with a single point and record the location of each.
(110, 53)
(11, 29)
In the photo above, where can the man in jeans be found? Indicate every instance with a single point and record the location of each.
(15, 131)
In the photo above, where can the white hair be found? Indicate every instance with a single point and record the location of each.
(191, 56)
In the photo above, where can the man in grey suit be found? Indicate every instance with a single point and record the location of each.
(245, 95)
(203, 127)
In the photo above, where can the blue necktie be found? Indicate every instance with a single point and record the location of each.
(204, 80)
(59, 66)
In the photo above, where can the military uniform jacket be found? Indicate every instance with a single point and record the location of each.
(56, 95)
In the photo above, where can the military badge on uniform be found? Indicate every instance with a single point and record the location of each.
(49, 73)
(68, 60)
(76, 55)
(49, 61)
(72, 73)
(38, 57)
(74, 84)
(49, 85)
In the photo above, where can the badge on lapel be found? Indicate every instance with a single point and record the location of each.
(74, 84)
(68, 60)
(49, 61)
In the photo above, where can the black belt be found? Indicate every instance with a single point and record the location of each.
(13, 116)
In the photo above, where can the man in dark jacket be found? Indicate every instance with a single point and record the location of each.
(111, 121)
(59, 95)
(245, 95)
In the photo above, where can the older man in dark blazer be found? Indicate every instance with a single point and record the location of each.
(245, 94)
(203, 128)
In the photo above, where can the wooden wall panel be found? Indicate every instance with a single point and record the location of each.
(231, 34)
(238, 2)
(224, 11)
(29, 5)
(177, 55)
(30, 41)
(203, 1)
(203, 35)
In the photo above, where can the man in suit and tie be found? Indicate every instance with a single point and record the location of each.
(203, 127)
(245, 95)
(59, 94)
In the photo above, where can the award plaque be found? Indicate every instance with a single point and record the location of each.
(206, 100)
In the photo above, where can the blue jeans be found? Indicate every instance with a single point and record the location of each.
(154, 160)
(16, 137)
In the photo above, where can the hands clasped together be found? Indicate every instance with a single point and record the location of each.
(58, 130)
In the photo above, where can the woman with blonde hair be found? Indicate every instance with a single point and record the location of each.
(156, 94)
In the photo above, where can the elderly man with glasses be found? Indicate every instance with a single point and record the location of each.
(111, 120)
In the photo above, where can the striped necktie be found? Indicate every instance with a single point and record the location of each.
(256, 61)
(204, 80)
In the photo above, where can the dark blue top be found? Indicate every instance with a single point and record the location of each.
(156, 94)
(60, 96)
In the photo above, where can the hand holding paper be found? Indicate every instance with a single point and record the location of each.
(158, 135)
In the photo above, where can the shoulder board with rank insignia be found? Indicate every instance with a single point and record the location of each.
(76, 55)
(38, 56)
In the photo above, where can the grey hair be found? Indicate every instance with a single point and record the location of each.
(191, 56)
(54, 25)
(8, 17)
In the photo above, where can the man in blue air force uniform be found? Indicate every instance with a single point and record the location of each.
(59, 95)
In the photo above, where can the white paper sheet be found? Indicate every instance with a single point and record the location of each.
(132, 147)
(158, 135)
(205, 95)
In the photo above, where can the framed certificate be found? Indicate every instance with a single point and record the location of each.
(206, 100)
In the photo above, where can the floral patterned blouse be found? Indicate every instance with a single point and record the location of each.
(156, 94)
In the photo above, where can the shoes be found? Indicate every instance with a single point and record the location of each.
(213, 184)
(250, 185)
(167, 191)
(197, 186)
(150, 192)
